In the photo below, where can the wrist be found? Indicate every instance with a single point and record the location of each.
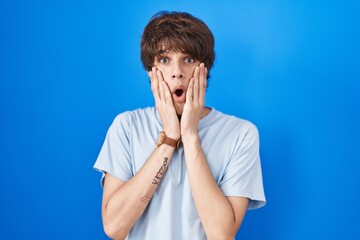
(190, 139)
(164, 139)
(172, 134)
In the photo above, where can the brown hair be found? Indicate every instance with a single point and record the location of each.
(180, 32)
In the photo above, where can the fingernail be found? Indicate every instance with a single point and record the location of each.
(159, 74)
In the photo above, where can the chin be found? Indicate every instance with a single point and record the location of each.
(179, 107)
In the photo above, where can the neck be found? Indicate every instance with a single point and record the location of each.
(205, 111)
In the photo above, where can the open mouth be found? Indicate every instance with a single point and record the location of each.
(179, 92)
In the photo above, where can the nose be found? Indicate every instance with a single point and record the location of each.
(177, 72)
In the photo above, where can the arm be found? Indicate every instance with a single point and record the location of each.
(220, 216)
(124, 202)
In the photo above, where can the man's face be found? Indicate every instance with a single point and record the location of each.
(177, 69)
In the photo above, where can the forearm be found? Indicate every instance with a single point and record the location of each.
(215, 211)
(126, 205)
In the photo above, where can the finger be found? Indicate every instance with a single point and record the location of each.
(167, 93)
(189, 92)
(202, 73)
(161, 86)
(154, 84)
(196, 83)
(196, 73)
(202, 84)
(165, 87)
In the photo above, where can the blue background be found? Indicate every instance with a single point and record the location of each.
(291, 67)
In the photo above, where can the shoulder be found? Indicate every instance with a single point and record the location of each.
(234, 123)
(126, 123)
(140, 114)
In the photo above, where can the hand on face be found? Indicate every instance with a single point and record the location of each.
(164, 104)
(195, 100)
(192, 109)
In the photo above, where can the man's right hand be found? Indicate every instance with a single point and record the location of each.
(164, 104)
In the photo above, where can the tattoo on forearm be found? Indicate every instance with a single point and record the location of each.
(159, 175)
(155, 182)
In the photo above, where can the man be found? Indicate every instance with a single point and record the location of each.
(179, 170)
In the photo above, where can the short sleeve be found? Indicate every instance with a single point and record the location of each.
(114, 157)
(243, 174)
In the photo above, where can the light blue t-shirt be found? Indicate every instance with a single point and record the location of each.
(231, 146)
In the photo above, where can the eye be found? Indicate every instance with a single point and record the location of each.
(189, 60)
(163, 60)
